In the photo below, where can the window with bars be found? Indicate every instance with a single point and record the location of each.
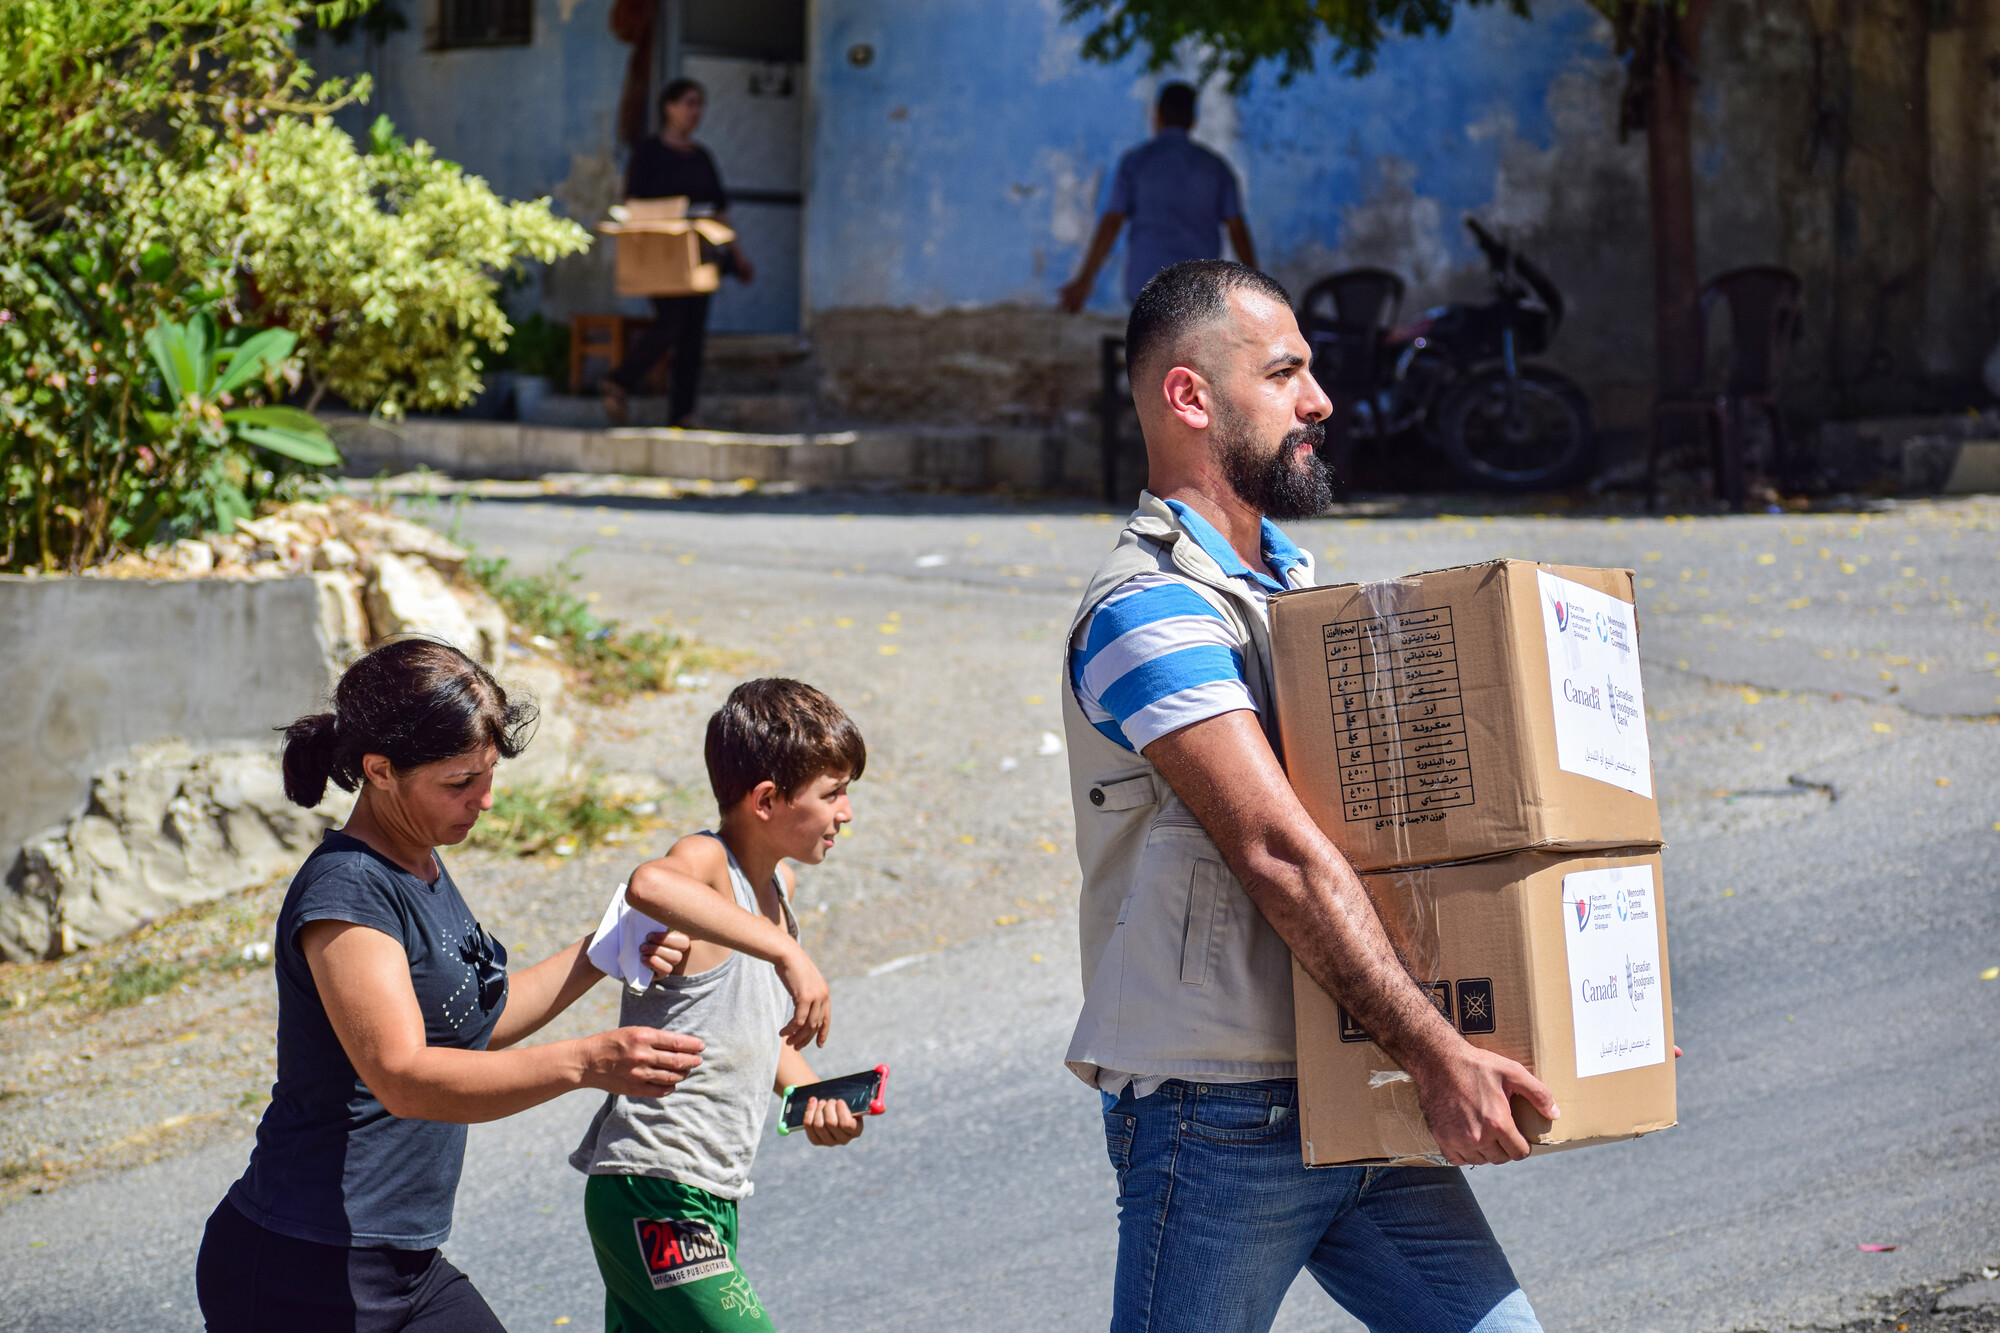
(485, 23)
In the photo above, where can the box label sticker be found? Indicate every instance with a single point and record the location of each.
(1398, 716)
(1610, 922)
(1600, 709)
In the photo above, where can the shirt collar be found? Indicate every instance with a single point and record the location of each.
(1278, 550)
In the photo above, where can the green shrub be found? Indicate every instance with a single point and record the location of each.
(562, 819)
(613, 664)
(384, 260)
(166, 161)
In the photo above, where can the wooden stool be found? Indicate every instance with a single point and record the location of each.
(594, 338)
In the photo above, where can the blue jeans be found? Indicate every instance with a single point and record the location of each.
(1217, 1214)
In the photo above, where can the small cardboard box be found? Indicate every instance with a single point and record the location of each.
(659, 248)
(1559, 962)
(1466, 712)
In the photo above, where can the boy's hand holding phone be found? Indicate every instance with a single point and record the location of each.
(829, 1123)
(812, 1000)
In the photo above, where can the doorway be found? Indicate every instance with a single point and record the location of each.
(749, 55)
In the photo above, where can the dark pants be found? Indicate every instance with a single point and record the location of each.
(250, 1280)
(680, 326)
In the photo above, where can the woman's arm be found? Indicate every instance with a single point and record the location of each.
(363, 977)
(683, 890)
(537, 994)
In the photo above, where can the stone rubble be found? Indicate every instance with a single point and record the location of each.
(167, 826)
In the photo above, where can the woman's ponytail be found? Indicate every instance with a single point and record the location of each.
(311, 753)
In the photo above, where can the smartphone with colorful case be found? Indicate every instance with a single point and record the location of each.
(862, 1092)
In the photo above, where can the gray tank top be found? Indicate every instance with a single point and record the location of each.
(705, 1132)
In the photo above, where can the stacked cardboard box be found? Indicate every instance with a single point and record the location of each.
(1474, 740)
(660, 248)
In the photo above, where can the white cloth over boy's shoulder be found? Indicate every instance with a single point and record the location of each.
(614, 950)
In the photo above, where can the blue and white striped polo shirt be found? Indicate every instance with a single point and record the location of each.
(1155, 656)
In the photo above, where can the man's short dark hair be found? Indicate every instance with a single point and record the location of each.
(1183, 297)
(676, 89)
(1176, 105)
(779, 730)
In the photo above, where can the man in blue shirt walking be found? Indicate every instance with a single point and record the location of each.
(1177, 196)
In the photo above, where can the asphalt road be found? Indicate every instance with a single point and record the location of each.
(1839, 1086)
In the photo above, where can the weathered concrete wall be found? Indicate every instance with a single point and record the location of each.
(91, 668)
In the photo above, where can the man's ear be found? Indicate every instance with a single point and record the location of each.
(1189, 397)
(764, 798)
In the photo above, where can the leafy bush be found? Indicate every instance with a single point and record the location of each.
(383, 260)
(163, 162)
(562, 819)
(100, 101)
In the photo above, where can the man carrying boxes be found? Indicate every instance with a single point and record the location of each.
(1205, 877)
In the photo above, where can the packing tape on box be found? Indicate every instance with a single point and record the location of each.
(1388, 599)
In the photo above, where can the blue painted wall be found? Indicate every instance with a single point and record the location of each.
(964, 166)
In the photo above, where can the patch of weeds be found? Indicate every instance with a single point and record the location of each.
(564, 820)
(136, 983)
(14, 1170)
(615, 664)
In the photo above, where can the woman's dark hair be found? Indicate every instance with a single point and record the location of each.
(676, 89)
(781, 730)
(415, 701)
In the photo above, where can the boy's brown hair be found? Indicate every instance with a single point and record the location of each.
(781, 730)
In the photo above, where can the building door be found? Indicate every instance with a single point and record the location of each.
(750, 57)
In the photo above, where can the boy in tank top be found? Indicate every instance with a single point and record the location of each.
(666, 1174)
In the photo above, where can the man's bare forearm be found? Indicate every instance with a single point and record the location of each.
(1299, 880)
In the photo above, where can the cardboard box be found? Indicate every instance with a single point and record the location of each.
(1559, 962)
(660, 248)
(1466, 712)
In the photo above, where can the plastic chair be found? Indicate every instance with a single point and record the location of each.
(1346, 318)
(1117, 420)
(1766, 316)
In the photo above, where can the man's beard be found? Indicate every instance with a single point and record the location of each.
(1285, 484)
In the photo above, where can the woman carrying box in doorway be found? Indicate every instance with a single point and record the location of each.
(673, 165)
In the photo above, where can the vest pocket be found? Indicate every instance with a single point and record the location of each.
(1204, 904)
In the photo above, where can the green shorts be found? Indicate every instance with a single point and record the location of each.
(667, 1252)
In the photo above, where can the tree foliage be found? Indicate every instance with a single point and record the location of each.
(382, 259)
(152, 155)
(1233, 37)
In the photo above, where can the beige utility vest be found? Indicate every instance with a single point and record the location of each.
(1182, 976)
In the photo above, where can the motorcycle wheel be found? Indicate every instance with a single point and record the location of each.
(1532, 433)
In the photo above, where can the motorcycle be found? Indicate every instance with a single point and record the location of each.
(1456, 375)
